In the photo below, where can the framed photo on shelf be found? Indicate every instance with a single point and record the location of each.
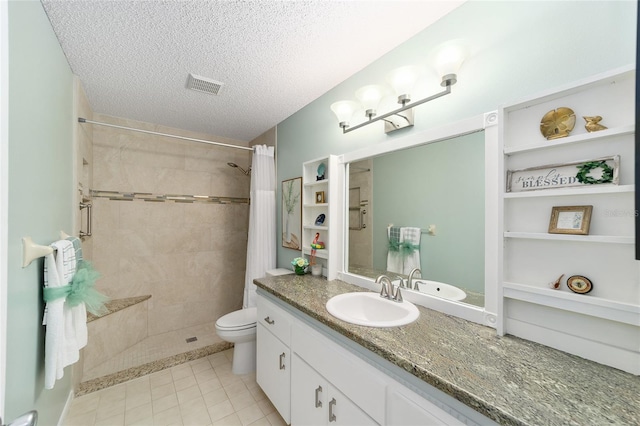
(570, 220)
(320, 197)
(291, 213)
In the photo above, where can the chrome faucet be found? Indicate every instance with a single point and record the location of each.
(410, 280)
(388, 291)
(385, 291)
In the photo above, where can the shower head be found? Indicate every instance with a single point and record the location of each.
(246, 172)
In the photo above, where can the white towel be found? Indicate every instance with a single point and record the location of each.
(394, 258)
(66, 331)
(412, 236)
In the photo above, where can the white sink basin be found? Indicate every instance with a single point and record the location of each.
(438, 289)
(370, 309)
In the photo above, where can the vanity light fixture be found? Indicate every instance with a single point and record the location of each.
(402, 80)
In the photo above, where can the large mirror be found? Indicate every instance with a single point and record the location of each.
(421, 206)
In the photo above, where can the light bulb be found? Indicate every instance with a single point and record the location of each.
(370, 96)
(448, 62)
(344, 111)
(403, 80)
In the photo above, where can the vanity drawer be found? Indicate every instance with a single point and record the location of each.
(275, 319)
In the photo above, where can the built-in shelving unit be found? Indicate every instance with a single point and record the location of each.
(319, 197)
(532, 258)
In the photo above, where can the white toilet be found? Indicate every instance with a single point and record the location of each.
(239, 328)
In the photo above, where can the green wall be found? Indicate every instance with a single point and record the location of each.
(40, 199)
(518, 49)
(447, 189)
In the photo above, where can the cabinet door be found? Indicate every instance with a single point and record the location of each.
(404, 408)
(273, 370)
(342, 411)
(308, 395)
(314, 401)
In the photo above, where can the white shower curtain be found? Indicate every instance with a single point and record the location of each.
(261, 244)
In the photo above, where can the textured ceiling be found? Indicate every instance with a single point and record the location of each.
(274, 57)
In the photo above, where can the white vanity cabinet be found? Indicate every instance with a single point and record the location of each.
(273, 363)
(316, 377)
(315, 401)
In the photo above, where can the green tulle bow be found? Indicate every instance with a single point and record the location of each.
(404, 248)
(80, 290)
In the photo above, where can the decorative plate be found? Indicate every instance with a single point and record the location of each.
(579, 284)
(320, 219)
(557, 123)
(321, 169)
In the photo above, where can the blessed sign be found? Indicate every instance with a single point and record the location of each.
(580, 173)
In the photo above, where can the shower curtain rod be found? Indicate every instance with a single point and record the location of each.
(84, 120)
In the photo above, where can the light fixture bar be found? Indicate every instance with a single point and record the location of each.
(396, 111)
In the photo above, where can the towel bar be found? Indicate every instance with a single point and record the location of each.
(431, 230)
(32, 251)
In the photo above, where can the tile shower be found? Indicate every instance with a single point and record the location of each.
(188, 256)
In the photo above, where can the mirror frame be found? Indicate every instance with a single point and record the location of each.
(493, 164)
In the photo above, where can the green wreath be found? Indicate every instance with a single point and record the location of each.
(583, 173)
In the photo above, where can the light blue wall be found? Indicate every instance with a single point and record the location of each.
(447, 190)
(518, 49)
(40, 197)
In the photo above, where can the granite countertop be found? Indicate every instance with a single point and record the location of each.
(510, 380)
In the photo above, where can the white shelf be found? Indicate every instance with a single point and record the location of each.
(580, 190)
(316, 227)
(317, 183)
(585, 137)
(320, 253)
(614, 239)
(579, 303)
(315, 205)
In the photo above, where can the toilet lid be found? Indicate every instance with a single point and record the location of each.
(240, 319)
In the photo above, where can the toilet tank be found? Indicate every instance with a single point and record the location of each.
(278, 271)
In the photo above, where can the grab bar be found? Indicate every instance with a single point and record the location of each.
(87, 206)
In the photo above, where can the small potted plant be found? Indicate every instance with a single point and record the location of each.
(300, 265)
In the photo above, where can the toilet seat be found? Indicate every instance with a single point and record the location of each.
(242, 319)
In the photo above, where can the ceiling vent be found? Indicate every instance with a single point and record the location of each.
(202, 84)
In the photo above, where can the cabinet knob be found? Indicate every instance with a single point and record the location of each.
(318, 402)
(332, 416)
(269, 321)
(282, 355)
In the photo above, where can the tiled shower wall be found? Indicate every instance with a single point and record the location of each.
(189, 257)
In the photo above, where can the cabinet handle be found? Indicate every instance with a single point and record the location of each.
(269, 321)
(282, 361)
(318, 402)
(332, 417)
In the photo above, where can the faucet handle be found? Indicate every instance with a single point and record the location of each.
(397, 294)
(384, 291)
(401, 281)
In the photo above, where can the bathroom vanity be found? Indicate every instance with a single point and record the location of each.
(440, 369)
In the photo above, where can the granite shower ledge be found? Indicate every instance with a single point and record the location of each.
(510, 380)
(115, 305)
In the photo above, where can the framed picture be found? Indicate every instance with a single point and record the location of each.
(291, 213)
(570, 220)
(320, 197)
(579, 173)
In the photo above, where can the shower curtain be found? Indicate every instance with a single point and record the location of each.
(261, 244)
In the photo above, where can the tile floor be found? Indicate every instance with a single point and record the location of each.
(154, 348)
(201, 392)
